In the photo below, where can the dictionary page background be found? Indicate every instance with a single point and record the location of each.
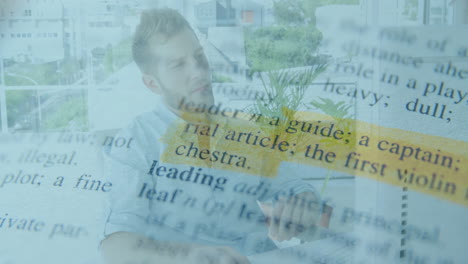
(69, 84)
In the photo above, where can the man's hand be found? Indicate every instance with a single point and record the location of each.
(291, 215)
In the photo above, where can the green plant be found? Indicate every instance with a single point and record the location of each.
(286, 90)
(50, 73)
(338, 110)
(20, 73)
(411, 9)
(69, 115)
(300, 12)
(343, 120)
(113, 58)
(19, 104)
(279, 47)
(218, 78)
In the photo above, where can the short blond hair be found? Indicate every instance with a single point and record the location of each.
(160, 24)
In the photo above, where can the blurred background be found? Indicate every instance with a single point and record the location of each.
(58, 57)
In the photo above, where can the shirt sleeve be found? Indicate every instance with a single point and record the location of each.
(126, 169)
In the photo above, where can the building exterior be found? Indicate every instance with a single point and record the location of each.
(250, 13)
(215, 14)
(445, 11)
(105, 23)
(31, 30)
(42, 31)
(227, 13)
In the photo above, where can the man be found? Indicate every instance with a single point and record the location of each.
(161, 217)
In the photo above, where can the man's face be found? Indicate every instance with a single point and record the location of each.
(182, 70)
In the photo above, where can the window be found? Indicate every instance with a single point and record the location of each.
(39, 110)
(48, 95)
(441, 12)
(43, 108)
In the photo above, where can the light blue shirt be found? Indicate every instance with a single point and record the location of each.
(177, 210)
